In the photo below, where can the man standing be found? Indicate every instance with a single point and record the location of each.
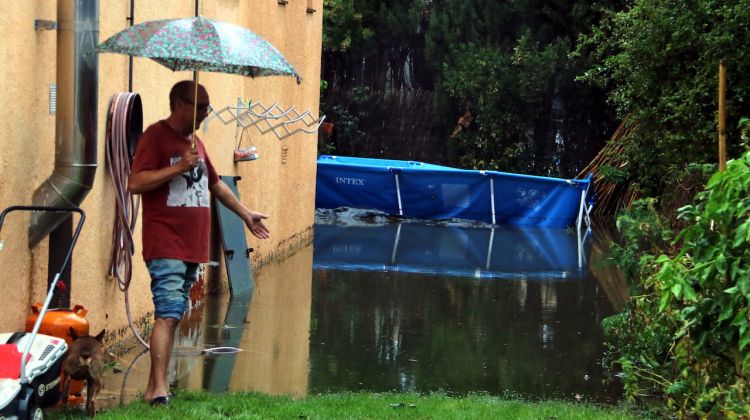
(174, 180)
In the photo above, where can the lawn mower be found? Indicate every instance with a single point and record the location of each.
(31, 363)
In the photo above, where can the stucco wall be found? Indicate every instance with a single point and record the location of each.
(285, 191)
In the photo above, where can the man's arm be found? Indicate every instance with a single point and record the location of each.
(145, 181)
(253, 220)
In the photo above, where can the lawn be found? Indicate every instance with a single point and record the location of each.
(204, 405)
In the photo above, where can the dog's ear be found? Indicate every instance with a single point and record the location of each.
(73, 334)
(100, 336)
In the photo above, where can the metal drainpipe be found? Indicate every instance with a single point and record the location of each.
(76, 123)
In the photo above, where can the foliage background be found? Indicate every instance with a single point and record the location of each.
(507, 63)
(537, 86)
(659, 62)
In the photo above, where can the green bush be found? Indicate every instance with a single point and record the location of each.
(684, 337)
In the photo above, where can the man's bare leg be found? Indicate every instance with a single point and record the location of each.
(162, 340)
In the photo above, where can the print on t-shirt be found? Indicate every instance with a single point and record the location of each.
(190, 188)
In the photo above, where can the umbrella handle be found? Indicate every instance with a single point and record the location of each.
(195, 109)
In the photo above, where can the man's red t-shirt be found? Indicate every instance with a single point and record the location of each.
(177, 214)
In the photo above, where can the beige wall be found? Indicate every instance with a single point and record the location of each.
(285, 191)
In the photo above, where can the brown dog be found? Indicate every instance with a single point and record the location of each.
(85, 360)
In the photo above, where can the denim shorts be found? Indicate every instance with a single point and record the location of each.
(170, 286)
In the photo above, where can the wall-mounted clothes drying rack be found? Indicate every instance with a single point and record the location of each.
(281, 122)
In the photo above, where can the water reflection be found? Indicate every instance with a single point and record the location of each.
(419, 332)
(430, 308)
(608, 276)
(271, 329)
(421, 308)
(501, 252)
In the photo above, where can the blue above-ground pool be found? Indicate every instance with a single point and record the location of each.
(426, 191)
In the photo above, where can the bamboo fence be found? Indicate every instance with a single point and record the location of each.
(611, 197)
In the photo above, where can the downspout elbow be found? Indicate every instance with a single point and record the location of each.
(76, 120)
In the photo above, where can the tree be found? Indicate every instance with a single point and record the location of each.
(660, 62)
(530, 113)
(506, 93)
(374, 43)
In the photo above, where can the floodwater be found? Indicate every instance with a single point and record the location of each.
(407, 307)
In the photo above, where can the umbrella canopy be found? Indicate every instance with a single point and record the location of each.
(201, 44)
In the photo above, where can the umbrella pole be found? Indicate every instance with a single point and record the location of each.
(195, 109)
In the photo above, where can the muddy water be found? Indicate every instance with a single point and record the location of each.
(457, 309)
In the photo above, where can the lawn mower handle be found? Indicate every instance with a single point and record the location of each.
(53, 284)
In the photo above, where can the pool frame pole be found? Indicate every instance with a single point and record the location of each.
(492, 198)
(398, 195)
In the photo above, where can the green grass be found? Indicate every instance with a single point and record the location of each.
(203, 405)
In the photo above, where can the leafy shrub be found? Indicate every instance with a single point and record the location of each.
(684, 337)
(643, 235)
(613, 174)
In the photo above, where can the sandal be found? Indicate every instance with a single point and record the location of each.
(159, 401)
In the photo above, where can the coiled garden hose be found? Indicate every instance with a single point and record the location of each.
(124, 127)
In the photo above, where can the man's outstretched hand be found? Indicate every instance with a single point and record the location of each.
(254, 222)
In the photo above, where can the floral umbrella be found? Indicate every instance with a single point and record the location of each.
(200, 44)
